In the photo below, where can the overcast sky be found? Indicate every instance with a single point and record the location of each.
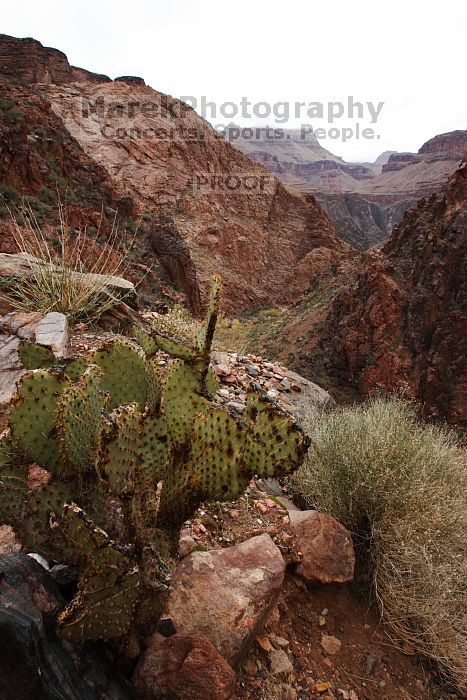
(409, 55)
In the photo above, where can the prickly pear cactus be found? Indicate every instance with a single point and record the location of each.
(32, 416)
(13, 485)
(34, 356)
(130, 456)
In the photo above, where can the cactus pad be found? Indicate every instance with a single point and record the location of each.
(108, 585)
(153, 450)
(124, 374)
(175, 348)
(13, 485)
(154, 384)
(43, 532)
(182, 400)
(32, 416)
(146, 341)
(78, 421)
(119, 450)
(218, 441)
(75, 368)
(35, 356)
(206, 333)
(275, 444)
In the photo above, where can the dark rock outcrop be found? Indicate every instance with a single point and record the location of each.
(34, 662)
(131, 80)
(359, 221)
(27, 61)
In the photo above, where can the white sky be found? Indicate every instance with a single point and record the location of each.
(408, 54)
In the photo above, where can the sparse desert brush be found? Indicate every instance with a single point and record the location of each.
(401, 485)
(65, 275)
(232, 335)
(177, 323)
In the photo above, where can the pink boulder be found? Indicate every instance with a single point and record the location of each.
(183, 667)
(325, 545)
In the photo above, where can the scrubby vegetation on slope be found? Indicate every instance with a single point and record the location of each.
(401, 485)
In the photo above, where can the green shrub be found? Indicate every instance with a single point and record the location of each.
(46, 196)
(9, 111)
(400, 485)
(9, 194)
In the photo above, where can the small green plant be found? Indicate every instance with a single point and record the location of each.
(9, 194)
(9, 197)
(130, 457)
(9, 112)
(400, 487)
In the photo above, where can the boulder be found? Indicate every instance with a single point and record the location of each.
(226, 595)
(52, 330)
(325, 545)
(280, 662)
(34, 662)
(185, 668)
(11, 368)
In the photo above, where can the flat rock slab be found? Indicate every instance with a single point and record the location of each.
(326, 547)
(226, 595)
(50, 330)
(186, 668)
(23, 265)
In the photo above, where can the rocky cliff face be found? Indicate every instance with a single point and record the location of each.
(359, 221)
(364, 201)
(283, 146)
(27, 61)
(203, 206)
(452, 144)
(398, 321)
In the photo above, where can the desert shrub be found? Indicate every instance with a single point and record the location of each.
(178, 323)
(8, 197)
(9, 194)
(9, 112)
(400, 485)
(62, 278)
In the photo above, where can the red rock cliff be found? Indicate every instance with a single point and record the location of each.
(27, 61)
(452, 144)
(205, 207)
(400, 323)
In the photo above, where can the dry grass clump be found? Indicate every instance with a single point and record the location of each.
(64, 275)
(402, 485)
